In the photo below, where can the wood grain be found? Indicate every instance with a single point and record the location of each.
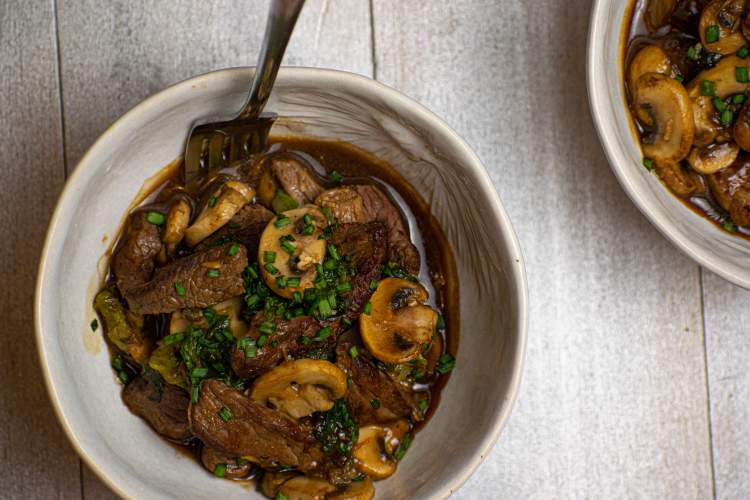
(37, 461)
(728, 351)
(613, 402)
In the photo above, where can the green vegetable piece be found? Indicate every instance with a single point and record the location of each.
(337, 431)
(403, 446)
(155, 218)
(234, 249)
(708, 88)
(712, 34)
(94, 324)
(741, 74)
(179, 288)
(220, 470)
(165, 360)
(226, 414)
(445, 364)
(283, 202)
(119, 331)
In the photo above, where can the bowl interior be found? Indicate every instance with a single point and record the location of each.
(475, 403)
(703, 241)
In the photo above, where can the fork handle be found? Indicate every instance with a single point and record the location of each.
(282, 16)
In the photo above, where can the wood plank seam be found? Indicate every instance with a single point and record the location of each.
(709, 422)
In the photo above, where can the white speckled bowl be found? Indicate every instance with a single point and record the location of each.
(707, 244)
(122, 448)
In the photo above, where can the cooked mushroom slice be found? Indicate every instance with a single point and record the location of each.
(178, 323)
(650, 59)
(228, 200)
(714, 157)
(290, 248)
(356, 490)
(721, 80)
(741, 129)
(344, 203)
(680, 182)
(658, 13)
(305, 488)
(178, 219)
(272, 481)
(398, 325)
(369, 453)
(301, 387)
(394, 434)
(233, 308)
(705, 127)
(663, 106)
(721, 21)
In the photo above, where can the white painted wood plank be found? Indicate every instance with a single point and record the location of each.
(144, 46)
(613, 402)
(114, 54)
(36, 460)
(727, 316)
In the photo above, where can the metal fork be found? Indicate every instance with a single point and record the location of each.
(210, 146)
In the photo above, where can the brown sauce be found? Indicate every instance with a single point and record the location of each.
(635, 36)
(438, 271)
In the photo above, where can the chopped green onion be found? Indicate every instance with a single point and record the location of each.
(375, 403)
(305, 340)
(271, 268)
(726, 117)
(267, 327)
(680, 78)
(445, 364)
(283, 202)
(368, 308)
(729, 226)
(738, 98)
(712, 34)
(282, 221)
(353, 351)
(220, 470)
(247, 345)
(344, 287)
(234, 249)
(262, 340)
(94, 324)
(281, 281)
(324, 307)
(117, 363)
(252, 272)
(423, 405)
(334, 176)
(741, 74)
(269, 257)
(692, 52)
(155, 218)
(708, 88)
(743, 52)
(307, 219)
(440, 322)
(288, 247)
(173, 339)
(307, 230)
(373, 285)
(281, 496)
(402, 447)
(179, 288)
(199, 372)
(213, 273)
(648, 163)
(211, 201)
(323, 333)
(226, 414)
(334, 253)
(719, 104)
(123, 375)
(195, 394)
(293, 282)
(296, 296)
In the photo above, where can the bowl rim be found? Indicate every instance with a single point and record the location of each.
(600, 99)
(517, 271)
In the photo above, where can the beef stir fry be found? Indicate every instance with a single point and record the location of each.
(277, 318)
(687, 78)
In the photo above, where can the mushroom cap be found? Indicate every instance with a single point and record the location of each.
(705, 128)
(356, 490)
(369, 453)
(178, 219)
(301, 387)
(714, 157)
(727, 16)
(309, 250)
(677, 180)
(650, 59)
(306, 488)
(399, 324)
(662, 104)
(230, 198)
(724, 77)
(741, 130)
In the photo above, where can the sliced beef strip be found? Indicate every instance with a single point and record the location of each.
(365, 245)
(369, 384)
(133, 260)
(257, 431)
(365, 203)
(236, 467)
(296, 179)
(284, 341)
(164, 406)
(245, 227)
(731, 188)
(201, 290)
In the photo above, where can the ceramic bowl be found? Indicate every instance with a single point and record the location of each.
(122, 448)
(710, 246)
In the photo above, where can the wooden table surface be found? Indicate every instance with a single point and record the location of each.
(636, 382)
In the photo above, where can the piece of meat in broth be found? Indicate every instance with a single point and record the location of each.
(296, 179)
(133, 260)
(162, 405)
